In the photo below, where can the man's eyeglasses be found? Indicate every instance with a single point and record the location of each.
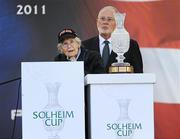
(108, 19)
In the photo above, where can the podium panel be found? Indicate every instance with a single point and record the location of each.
(53, 100)
(120, 106)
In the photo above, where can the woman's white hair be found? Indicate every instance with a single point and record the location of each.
(59, 46)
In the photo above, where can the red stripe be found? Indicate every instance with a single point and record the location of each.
(153, 24)
(167, 121)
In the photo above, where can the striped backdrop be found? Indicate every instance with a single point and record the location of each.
(156, 26)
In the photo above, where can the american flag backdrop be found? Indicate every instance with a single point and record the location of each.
(156, 26)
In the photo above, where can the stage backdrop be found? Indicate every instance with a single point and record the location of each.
(28, 32)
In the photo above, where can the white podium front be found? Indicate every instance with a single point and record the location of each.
(120, 106)
(53, 100)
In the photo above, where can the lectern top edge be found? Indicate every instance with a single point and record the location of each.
(146, 78)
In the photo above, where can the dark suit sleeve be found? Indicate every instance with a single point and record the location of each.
(87, 44)
(92, 44)
(60, 57)
(136, 57)
(98, 63)
(93, 63)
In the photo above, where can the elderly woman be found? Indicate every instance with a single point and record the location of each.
(69, 46)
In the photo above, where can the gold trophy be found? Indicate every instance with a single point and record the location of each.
(120, 45)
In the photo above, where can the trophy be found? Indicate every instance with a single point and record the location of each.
(120, 45)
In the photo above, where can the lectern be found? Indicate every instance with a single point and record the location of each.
(120, 106)
(53, 100)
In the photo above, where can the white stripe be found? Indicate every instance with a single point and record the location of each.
(165, 63)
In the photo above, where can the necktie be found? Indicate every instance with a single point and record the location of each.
(105, 54)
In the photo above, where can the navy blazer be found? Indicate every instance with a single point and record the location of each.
(132, 56)
(92, 61)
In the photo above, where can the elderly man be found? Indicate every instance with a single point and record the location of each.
(106, 25)
(69, 46)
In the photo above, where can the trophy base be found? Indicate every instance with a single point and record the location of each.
(121, 69)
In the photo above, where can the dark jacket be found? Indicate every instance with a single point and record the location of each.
(92, 61)
(132, 56)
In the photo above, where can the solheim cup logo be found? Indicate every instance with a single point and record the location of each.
(53, 114)
(56, 119)
(124, 127)
(123, 120)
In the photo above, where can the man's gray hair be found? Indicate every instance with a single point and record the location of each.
(110, 8)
